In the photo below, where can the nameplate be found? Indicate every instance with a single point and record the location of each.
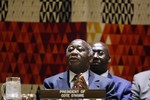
(73, 93)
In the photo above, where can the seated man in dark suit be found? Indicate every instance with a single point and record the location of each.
(79, 55)
(99, 65)
(141, 86)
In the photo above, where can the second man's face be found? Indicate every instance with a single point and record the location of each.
(100, 55)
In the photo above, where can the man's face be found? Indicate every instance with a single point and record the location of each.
(78, 56)
(100, 57)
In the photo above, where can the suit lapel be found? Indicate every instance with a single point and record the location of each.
(94, 83)
(63, 81)
(109, 76)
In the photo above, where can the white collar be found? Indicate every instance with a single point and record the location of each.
(105, 74)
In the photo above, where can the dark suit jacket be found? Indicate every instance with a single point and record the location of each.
(123, 87)
(60, 81)
(141, 86)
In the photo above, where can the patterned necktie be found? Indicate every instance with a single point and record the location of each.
(74, 82)
(79, 82)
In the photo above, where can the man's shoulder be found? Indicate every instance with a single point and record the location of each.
(101, 78)
(120, 80)
(55, 76)
(142, 74)
(142, 77)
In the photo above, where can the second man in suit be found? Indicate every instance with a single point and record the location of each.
(99, 65)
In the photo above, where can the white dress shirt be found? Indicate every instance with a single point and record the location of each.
(105, 74)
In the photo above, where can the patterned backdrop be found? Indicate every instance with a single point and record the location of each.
(34, 35)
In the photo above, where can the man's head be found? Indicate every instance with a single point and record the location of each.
(79, 55)
(101, 58)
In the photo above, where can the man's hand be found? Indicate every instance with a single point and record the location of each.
(80, 83)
